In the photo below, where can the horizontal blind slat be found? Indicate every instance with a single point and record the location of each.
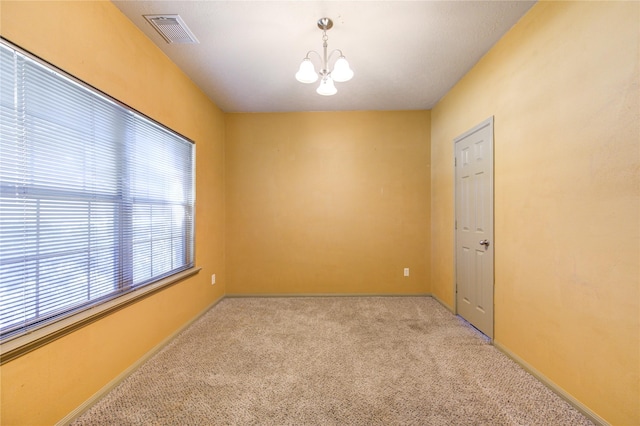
(94, 197)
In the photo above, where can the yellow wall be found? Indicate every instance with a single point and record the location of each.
(328, 202)
(96, 43)
(563, 87)
(339, 202)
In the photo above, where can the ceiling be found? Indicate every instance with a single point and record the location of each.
(406, 55)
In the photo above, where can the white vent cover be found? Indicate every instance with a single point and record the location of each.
(172, 28)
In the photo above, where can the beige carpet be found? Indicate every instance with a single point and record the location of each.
(330, 361)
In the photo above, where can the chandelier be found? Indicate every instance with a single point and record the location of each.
(341, 71)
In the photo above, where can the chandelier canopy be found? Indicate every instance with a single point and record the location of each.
(341, 71)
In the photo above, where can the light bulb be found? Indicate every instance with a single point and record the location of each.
(327, 88)
(341, 70)
(306, 73)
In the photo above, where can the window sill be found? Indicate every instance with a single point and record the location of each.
(36, 338)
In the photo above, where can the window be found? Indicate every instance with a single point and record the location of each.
(96, 200)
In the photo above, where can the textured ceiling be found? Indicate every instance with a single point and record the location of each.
(405, 54)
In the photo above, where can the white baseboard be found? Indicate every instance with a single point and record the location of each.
(120, 377)
(239, 295)
(554, 387)
(444, 305)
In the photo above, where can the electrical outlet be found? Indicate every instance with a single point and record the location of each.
(406, 272)
(213, 279)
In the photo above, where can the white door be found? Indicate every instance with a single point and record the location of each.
(474, 226)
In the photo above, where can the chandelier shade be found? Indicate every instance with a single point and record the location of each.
(327, 88)
(341, 70)
(340, 73)
(306, 73)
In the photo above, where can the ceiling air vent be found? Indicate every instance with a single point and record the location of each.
(172, 28)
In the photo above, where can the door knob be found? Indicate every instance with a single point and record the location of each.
(484, 243)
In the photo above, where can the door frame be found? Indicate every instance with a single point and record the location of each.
(491, 123)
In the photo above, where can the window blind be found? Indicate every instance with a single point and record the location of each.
(96, 200)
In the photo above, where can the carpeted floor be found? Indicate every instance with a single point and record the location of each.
(330, 361)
